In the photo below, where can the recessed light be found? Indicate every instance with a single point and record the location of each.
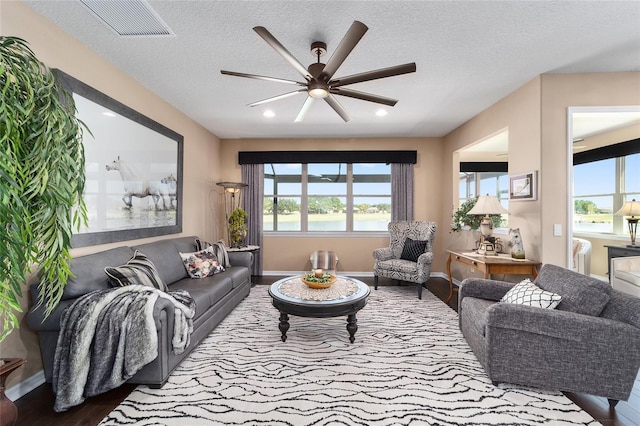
(108, 114)
(269, 113)
(381, 112)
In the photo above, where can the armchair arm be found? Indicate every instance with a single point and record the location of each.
(384, 253)
(425, 259)
(563, 325)
(484, 289)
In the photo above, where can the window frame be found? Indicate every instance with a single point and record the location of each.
(304, 199)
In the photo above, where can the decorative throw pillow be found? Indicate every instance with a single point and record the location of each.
(139, 270)
(412, 249)
(219, 249)
(527, 293)
(202, 263)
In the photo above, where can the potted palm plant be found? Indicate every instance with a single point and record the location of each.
(42, 178)
(237, 227)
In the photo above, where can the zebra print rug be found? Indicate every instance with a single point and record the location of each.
(408, 365)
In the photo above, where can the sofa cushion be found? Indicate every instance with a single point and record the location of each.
(88, 271)
(139, 270)
(201, 264)
(206, 292)
(412, 249)
(580, 293)
(165, 254)
(527, 293)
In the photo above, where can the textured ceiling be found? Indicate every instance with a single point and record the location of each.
(469, 55)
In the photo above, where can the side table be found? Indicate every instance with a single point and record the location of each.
(619, 251)
(488, 265)
(250, 249)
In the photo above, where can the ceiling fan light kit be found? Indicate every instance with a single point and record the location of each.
(319, 82)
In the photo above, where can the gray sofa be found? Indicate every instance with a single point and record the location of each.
(215, 298)
(590, 343)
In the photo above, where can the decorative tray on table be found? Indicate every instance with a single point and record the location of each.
(325, 281)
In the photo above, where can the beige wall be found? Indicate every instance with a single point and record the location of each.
(519, 114)
(560, 91)
(292, 253)
(58, 50)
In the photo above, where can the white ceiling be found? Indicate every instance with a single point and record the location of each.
(469, 55)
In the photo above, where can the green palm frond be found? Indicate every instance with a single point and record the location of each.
(42, 178)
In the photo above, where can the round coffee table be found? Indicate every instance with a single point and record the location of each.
(291, 296)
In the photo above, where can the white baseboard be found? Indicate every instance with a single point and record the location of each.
(24, 387)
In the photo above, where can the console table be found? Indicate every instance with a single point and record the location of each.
(619, 251)
(501, 264)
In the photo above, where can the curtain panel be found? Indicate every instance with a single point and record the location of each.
(401, 191)
(253, 175)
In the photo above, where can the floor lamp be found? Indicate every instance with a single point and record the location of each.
(232, 197)
(632, 210)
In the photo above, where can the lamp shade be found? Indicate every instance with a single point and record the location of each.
(488, 204)
(630, 208)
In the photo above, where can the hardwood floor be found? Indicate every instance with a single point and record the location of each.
(36, 408)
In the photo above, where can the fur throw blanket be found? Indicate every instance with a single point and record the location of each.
(107, 336)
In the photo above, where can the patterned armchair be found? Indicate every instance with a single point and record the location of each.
(409, 255)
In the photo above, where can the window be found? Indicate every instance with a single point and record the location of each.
(336, 197)
(599, 190)
(474, 184)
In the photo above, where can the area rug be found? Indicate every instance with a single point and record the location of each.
(409, 365)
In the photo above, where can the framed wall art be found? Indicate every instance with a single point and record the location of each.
(523, 186)
(133, 170)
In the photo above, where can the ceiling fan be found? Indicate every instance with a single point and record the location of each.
(319, 82)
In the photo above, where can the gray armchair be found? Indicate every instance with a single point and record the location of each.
(409, 255)
(590, 343)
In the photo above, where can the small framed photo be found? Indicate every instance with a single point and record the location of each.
(523, 186)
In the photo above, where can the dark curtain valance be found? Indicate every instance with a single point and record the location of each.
(484, 166)
(612, 151)
(306, 157)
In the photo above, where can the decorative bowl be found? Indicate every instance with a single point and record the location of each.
(312, 281)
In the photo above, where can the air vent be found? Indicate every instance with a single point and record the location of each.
(129, 18)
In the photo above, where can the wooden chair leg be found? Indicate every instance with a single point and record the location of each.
(420, 291)
(612, 403)
(375, 282)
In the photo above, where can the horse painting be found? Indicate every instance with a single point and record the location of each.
(141, 188)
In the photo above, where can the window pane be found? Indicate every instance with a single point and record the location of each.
(632, 173)
(283, 179)
(372, 179)
(597, 177)
(327, 179)
(327, 214)
(467, 187)
(371, 214)
(593, 214)
(286, 217)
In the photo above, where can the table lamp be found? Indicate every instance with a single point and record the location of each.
(632, 210)
(487, 205)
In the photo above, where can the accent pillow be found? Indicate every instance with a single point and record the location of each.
(527, 293)
(219, 249)
(412, 249)
(201, 264)
(139, 270)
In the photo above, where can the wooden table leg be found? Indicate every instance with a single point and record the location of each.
(284, 325)
(450, 279)
(352, 327)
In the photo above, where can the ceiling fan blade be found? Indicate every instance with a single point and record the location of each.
(374, 75)
(364, 96)
(305, 107)
(275, 98)
(333, 102)
(347, 44)
(262, 77)
(282, 51)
